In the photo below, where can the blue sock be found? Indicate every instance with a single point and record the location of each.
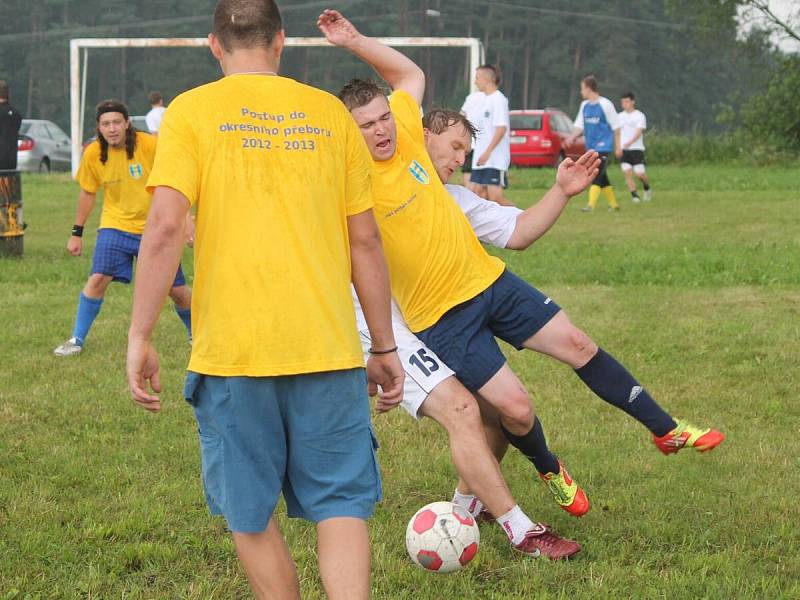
(534, 446)
(186, 316)
(88, 308)
(612, 382)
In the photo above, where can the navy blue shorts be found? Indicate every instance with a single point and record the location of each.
(464, 338)
(308, 436)
(489, 177)
(115, 252)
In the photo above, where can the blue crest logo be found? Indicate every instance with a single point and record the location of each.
(135, 170)
(419, 173)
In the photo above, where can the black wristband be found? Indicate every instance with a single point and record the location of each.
(77, 230)
(389, 351)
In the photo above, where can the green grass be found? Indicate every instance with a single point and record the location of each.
(697, 292)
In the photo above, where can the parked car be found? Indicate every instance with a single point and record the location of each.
(538, 138)
(138, 121)
(42, 146)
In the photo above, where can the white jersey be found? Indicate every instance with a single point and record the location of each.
(153, 118)
(472, 106)
(493, 113)
(631, 122)
(493, 224)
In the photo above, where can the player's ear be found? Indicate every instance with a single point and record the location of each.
(427, 133)
(215, 46)
(278, 42)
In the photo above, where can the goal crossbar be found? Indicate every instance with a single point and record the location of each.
(78, 84)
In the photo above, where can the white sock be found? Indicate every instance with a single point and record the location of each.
(468, 502)
(516, 524)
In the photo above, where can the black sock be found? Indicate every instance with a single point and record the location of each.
(646, 186)
(612, 382)
(534, 447)
(634, 194)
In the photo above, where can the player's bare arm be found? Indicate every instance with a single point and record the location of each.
(395, 68)
(499, 132)
(86, 202)
(571, 179)
(159, 256)
(371, 281)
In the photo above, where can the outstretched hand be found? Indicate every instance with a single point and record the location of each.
(574, 176)
(336, 29)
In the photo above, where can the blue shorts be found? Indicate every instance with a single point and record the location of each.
(489, 177)
(114, 253)
(309, 436)
(464, 338)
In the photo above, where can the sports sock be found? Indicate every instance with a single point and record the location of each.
(613, 383)
(608, 192)
(468, 502)
(534, 446)
(634, 194)
(646, 186)
(186, 316)
(516, 524)
(594, 194)
(88, 308)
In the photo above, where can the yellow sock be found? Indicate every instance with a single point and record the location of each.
(608, 192)
(594, 194)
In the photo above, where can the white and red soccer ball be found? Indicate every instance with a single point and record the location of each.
(442, 537)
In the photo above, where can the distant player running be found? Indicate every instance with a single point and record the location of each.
(633, 123)
(119, 161)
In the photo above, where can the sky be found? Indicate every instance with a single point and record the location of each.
(789, 12)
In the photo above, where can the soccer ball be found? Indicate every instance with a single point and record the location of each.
(442, 537)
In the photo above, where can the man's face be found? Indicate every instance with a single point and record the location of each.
(112, 126)
(628, 105)
(376, 122)
(586, 91)
(483, 79)
(448, 149)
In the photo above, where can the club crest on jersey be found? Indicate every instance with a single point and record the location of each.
(135, 170)
(419, 173)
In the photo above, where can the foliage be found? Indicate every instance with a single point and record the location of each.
(679, 70)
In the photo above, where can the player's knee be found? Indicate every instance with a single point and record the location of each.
(518, 409)
(460, 415)
(582, 347)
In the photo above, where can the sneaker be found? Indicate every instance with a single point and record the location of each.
(567, 493)
(541, 541)
(648, 195)
(635, 199)
(686, 435)
(587, 209)
(69, 348)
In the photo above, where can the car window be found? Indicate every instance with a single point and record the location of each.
(56, 133)
(39, 130)
(560, 123)
(24, 128)
(526, 122)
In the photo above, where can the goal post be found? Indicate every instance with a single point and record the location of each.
(78, 67)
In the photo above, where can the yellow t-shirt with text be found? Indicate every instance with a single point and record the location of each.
(125, 200)
(435, 260)
(274, 168)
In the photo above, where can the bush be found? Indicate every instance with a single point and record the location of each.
(738, 147)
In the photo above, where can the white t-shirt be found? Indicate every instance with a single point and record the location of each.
(472, 106)
(153, 118)
(631, 121)
(493, 113)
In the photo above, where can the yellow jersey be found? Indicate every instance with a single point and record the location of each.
(274, 168)
(125, 201)
(435, 260)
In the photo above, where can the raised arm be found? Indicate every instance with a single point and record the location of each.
(395, 68)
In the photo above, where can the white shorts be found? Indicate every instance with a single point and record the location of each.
(424, 370)
(640, 168)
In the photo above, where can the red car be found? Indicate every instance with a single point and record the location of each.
(538, 138)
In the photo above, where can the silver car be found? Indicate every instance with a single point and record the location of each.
(42, 146)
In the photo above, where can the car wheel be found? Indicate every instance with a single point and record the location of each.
(44, 166)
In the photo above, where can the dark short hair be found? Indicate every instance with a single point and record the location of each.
(590, 81)
(246, 23)
(360, 92)
(494, 71)
(154, 97)
(439, 119)
(4, 91)
(629, 95)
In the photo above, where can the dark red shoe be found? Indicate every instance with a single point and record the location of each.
(541, 541)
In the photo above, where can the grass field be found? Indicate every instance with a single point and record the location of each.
(697, 292)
